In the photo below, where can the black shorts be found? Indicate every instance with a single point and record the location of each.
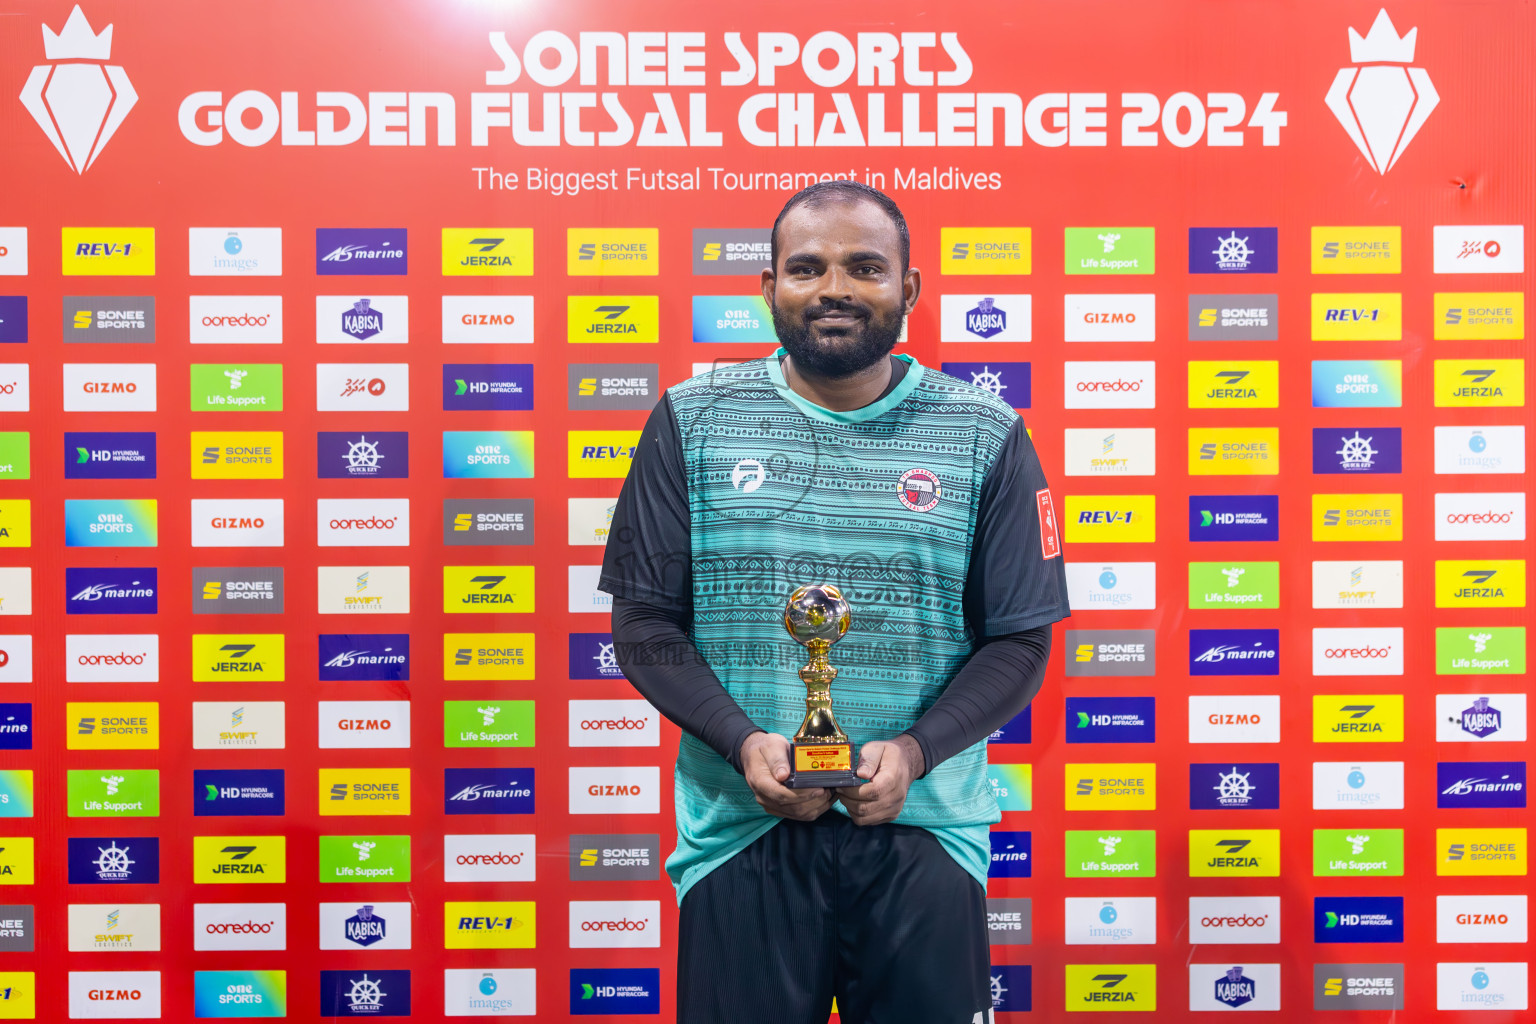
(879, 917)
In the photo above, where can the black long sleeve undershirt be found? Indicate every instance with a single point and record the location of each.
(655, 653)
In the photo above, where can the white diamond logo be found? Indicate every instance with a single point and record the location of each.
(1384, 104)
(79, 100)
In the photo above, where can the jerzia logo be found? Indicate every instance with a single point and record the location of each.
(1382, 106)
(79, 104)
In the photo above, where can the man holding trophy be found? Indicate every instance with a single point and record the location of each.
(884, 532)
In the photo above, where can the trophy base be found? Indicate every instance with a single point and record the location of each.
(823, 766)
(824, 780)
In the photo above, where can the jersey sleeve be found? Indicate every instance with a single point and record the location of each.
(1017, 579)
(649, 555)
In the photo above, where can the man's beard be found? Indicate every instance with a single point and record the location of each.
(843, 353)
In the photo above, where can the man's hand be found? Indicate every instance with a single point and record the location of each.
(890, 766)
(765, 764)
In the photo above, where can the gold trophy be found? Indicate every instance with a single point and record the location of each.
(822, 756)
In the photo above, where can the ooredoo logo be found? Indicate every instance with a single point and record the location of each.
(1480, 516)
(363, 522)
(614, 723)
(1253, 919)
(249, 522)
(489, 858)
(235, 320)
(239, 926)
(1110, 385)
(112, 658)
(615, 924)
(1357, 652)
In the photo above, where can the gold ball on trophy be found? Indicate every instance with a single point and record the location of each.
(816, 612)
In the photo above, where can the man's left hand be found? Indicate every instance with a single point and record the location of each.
(890, 766)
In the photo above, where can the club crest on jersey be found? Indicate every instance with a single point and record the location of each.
(919, 490)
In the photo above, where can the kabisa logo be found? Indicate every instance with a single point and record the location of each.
(362, 321)
(134, 860)
(592, 657)
(996, 317)
(1234, 787)
(488, 790)
(1479, 450)
(370, 455)
(1234, 990)
(91, 591)
(360, 251)
(365, 994)
(1495, 718)
(364, 928)
(1234, 250)
(352, 657)
(1382, 107)
(1011, 855)
(1357, 450)
(1481, 783)
(79, 105)
(1346, 786)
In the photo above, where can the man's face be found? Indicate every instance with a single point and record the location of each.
(838, 293)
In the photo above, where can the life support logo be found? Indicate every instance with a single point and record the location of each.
(919, 490)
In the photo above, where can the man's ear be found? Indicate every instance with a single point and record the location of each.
(768, 282)
(911, 287)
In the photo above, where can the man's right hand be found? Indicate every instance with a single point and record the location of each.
(765, 764)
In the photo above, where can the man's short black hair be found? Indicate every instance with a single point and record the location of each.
(840, 190)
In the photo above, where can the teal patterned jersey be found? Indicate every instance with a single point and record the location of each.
(882, 502)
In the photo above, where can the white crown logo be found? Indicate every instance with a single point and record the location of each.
(79, 106)
(1383, 105)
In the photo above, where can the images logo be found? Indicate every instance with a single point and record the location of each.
(79, 105)
(1359, 785)
(1357, 718)
(1234, 250)
(1231, 451)
(1125, 921)
(610, 319)
(984, 251)
(1357, 383)
(500, 252)
(1369, 101)
(1125, 585)
(107, 591)
(1460, 450)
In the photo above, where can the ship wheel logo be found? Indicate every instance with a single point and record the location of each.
(1234, 788)
(989, 380)
(113, 861)
(1232, 253)
(365, 993)
(363, 454)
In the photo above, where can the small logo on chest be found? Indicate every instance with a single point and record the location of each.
(919, 490)
(748, 476)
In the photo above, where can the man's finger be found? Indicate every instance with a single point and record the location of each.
(868, 765)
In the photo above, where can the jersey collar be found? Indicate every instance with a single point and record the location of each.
(874, 410)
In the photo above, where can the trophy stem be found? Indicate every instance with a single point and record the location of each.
(817, 675)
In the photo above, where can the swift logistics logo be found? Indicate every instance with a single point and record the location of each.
(985, 251)
(487, 252)
(17, 798)
(366, 589)
(368, 251)
(238, 725)
(1357, 718)
(1487, 383)
(613, 319)
(1234, 250)
(1107, 453)
(612, 252)
(1357, 584)
(108, 591)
